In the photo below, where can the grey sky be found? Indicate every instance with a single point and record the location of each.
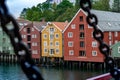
(16, 6)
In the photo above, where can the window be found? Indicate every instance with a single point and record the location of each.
(57, 35)
(45, 36)
(94, 44)
(71, 52)
(81, 18)
(45, 43)
(82, 53)
(28, 38)
(28, 30)
(51, 51)
(51, 43)
(32, 29)
(82, 35)
(24, 29)
(82, 44)
(70, 44)
(116, 41)
(110, 43)
(51, 29)
(119, 49)
(70, 34)
(81, 26)
(110, 35)
(29, 45)
(56, 43)
(35, 36)
(51, 36)
(94, 53)
(57, 51)
(33, 44)
(73, 26)
(34, 52)
(45, 50)
(116, 34)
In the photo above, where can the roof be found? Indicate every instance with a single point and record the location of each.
(118, 43)
(61, 25)
(39, 25)
(108, 21)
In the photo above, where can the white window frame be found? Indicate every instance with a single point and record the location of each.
(71, 52)
(24, 29)
(73, 26)
(70, 44)
(94, 43)
(94, 53)
(110, 43)
(56, 34)
(70, 34)
(45, 43)
(56, 43)
(116, 34)
(119, 49)
(44, 36)
(33, 29)
(56, 51)
(45, 50)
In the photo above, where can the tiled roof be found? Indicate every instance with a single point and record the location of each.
(61, 25)
(108, 21)
(39, 25)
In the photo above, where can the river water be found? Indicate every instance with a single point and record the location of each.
(14, 72)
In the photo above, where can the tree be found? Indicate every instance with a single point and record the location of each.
(116, 6)
(102, 5)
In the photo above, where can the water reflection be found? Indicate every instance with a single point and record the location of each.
(14, 72)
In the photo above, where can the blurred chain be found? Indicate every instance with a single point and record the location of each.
(21, 50)
(92, 20)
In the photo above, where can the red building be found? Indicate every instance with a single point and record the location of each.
(31, 35)
(79, 44)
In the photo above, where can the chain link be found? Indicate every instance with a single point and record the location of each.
(99, 36)
(21, 50)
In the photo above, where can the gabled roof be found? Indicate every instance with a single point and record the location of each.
(108, 21)
(115, 44)
(61, 25)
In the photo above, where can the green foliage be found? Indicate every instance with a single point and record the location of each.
(102, 5)
(116, 6)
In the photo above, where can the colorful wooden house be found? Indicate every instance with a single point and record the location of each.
(31, 35)
(52, 40)
(79, 44)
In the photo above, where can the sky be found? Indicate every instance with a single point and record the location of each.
(16, 6)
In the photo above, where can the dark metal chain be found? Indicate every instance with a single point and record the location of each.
(21, 50)
(99, 36)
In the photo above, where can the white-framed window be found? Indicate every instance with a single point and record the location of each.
(57, 51)
(24, 29)
(33, 44)
(35, 36)
(94, 44)
(45, 36)
(71, 52)
(24, 36)
(51, 43)
(116, 34)
(110, 43)
(45, 43)
(45, 50)
(32, 29)
(51, 36)
(116, 41)
(34, 52)
(70, 44)
(110, 35)
(51, 29)
(73, 26)
(94, 53)
(119, 49)
(57, 35)
(70, 34)
(56, 43)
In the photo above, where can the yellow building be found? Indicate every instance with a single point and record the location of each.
(52, 40)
